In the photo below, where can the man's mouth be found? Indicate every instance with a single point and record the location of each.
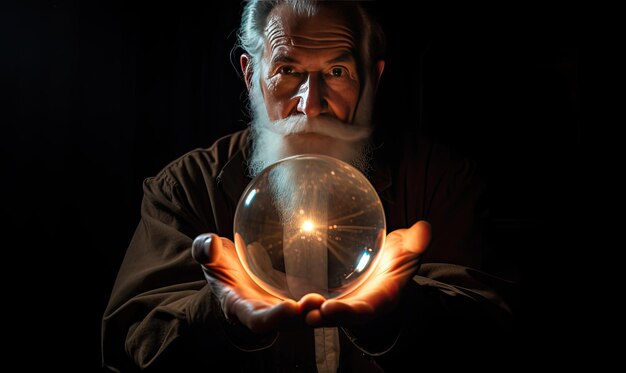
(314, 136)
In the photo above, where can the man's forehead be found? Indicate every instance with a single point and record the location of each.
(329, 28)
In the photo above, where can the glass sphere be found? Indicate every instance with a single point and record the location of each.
(309, 224)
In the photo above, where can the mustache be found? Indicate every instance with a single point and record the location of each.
(322, 125)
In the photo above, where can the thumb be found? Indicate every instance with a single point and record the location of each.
(206, 248)
(418, 237)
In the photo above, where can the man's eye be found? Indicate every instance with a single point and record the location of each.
(286, 70)
(337, 72)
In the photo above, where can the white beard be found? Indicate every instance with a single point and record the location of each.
(273, 141)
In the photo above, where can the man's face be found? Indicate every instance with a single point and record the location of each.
(308, 66)
(306, 94)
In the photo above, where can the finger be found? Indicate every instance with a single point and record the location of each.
(263, 320)
(288, 314)
(418, 236)
(218, 259)
(339, 313)
(345, 312)
(205, 248)
(310, 302)
(314, 319)
(310, 309)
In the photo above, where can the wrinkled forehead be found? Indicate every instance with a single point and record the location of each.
(332, 27)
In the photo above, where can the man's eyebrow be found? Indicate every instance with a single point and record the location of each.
(282, 58)
(343, 57)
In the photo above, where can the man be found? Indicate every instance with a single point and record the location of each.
(312, 69)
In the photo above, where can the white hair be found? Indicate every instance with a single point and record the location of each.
(255, 15)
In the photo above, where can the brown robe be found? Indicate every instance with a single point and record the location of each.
(162, 315)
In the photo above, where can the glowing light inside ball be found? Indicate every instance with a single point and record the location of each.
(309, 224)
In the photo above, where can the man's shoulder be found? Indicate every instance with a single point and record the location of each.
(208, 162)
(232, 143)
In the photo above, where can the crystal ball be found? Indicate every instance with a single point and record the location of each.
(309, 224)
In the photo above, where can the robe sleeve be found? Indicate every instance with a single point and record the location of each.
(162, 315)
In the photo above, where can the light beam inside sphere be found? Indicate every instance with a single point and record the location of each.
(308, 226)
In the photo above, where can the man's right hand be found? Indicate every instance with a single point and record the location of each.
(241, 299)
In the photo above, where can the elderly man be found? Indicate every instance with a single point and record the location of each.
(312, 70)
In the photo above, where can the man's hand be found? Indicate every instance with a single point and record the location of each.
(241, 299)
(380, 293)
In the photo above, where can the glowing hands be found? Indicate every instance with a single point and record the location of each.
(242, 300)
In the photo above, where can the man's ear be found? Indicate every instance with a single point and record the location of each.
(246, 68)
(378, 72)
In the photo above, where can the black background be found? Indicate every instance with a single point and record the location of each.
(98, 95)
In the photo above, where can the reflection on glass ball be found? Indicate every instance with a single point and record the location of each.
(309, 224)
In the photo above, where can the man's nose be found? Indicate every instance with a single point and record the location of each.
(310, 95)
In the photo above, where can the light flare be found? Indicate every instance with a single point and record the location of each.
(308, 226)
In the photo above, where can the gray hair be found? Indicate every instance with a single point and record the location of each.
(254, 20)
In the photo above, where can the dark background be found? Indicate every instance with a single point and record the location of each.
(99, 95)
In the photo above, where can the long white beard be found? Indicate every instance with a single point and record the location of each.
(275, 140)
